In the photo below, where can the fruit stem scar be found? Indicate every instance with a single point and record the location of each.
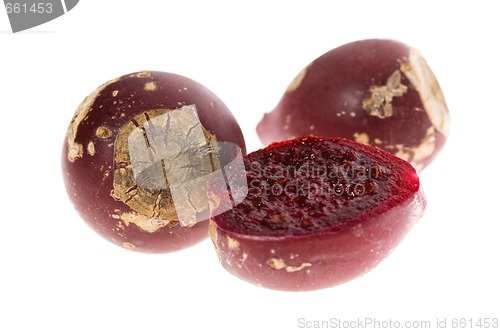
(379, 103)
(168, 156)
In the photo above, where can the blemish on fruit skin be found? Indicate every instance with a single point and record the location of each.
(288, 118)
(232, 243)
(358, 230)
(362, 138)
(379, 103)
(91, 148)
(115, 93)
(148, 224)
(128, 245)
(417, 155)
(422, 78)
(297, 81)
(241, 261)
(297, 268)
(276, 263)
(212, 233)
(142, 74)
(150, 86)
(75, 149)
(279, 264)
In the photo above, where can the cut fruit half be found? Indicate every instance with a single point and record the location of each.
(319, 212)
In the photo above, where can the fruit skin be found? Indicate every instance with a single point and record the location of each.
(88, 157)
(326, 257)
(376, 91)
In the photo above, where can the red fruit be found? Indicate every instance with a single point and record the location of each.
(319, 212)
(136, 154)
(377, 92)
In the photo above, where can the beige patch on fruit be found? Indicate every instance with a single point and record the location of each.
(103, 132)
(91, 148)
(164, 159)
(279, 264)
(232, 243)
(423, 79)
(288, 119)
(416, 155)
(150, 86)
(128, 245)
(379, 103)
(142, 74)
(75, 149)
(244, 257)
(146, 223)
(362, 138)
(297, 80)
(212, 232)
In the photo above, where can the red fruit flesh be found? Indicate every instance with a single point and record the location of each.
(119, 158)
(377, 92)
(319, 212)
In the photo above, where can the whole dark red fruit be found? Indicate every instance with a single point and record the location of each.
(319, 212)
(377, 92)
(136, 154)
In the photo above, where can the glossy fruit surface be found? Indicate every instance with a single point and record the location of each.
(136, 156)
(378, 92)
(319, 212)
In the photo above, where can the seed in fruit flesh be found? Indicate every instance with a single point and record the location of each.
(319, 212)
(378, 92)
(138, 154)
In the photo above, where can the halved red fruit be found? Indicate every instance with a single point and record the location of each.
(319, 212)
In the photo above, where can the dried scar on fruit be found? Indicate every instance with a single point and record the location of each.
(379, 104)
(164, 159)
(75, 149)
(422, 78)
(278, 264)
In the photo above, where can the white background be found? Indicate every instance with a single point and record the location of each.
(57, 275)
